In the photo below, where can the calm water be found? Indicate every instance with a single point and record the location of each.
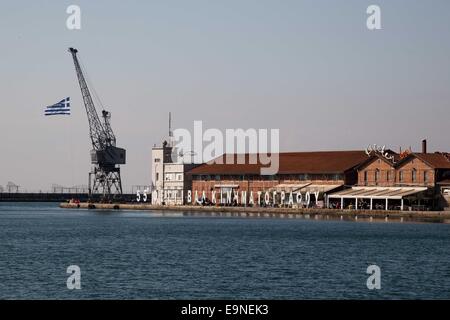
(144, 255)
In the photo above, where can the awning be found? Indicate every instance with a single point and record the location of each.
(322, 188)
(377, 192)
(288, 187)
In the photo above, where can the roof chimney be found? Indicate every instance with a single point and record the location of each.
(424, 146)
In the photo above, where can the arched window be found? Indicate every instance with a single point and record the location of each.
(377, 175)
(414, 175)
(400, 176)
(365, 177)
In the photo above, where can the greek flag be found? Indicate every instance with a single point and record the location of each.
(62, 107)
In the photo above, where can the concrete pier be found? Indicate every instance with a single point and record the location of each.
(53, 197)
(261, 212)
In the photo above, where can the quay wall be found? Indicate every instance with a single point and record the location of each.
(260, 212)
(53, 197)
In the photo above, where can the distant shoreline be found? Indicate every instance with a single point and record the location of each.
(265, 212)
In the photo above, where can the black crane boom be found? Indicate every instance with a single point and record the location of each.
(97, 132)
(105, 156)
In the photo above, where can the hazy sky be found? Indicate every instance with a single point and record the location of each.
(310, 68)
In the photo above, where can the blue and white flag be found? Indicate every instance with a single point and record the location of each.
(62, 107)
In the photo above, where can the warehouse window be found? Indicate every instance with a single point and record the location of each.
(303, 177)
(337, 177)
(377, 175)
(414, 175)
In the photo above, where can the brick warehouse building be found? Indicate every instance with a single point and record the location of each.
(419, 180)
(341, 179)
(299, 172)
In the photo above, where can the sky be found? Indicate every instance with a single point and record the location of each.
(309, 68)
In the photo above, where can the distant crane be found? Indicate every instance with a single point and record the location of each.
(104, 178)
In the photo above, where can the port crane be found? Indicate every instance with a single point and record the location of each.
(106, 158)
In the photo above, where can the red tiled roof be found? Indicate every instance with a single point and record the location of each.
(377, 156)
(319, 162)
(436, 160)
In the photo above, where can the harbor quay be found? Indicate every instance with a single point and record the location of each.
(273, 212)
